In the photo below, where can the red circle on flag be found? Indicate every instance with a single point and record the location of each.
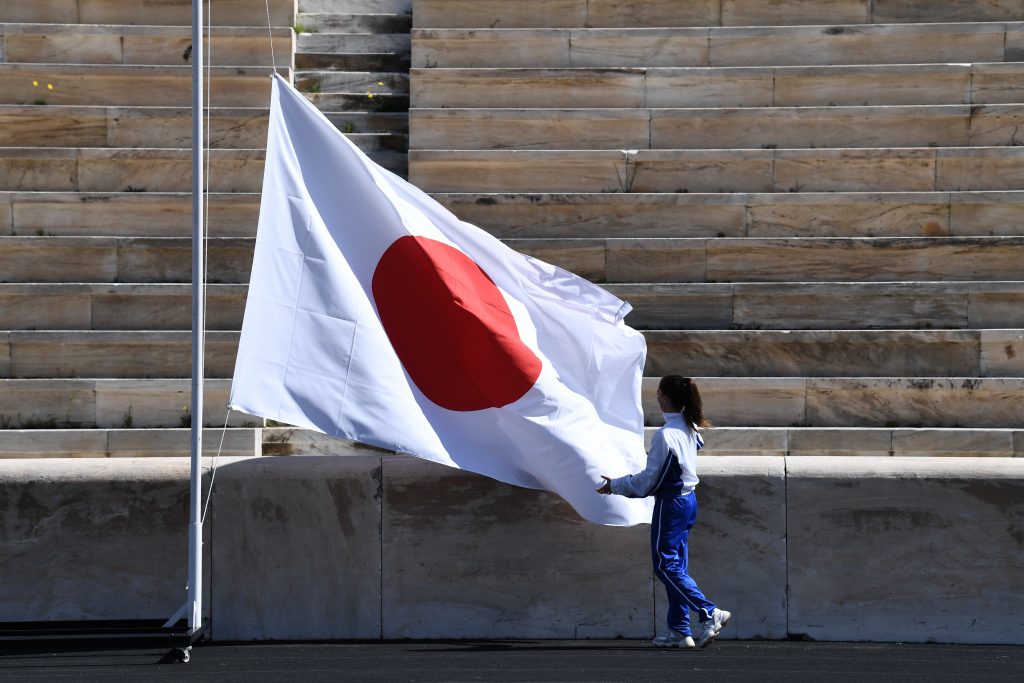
(451, 327)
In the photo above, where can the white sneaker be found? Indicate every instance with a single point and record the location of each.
(713, 626)
(674, 639)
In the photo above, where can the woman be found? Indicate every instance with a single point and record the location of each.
(671, 477)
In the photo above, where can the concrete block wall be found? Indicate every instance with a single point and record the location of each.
(379, 546)
(94, 538)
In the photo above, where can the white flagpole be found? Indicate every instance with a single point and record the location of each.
(193, 607)
(195, 527)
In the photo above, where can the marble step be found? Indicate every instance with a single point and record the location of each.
(162, 127)
(717, 128)
(680, 171)
(825, 305)
(132, 85)
(141, 214)
(383, 62)
(163, 12)
(113, 354)
(818, 259)
(326, 81)
(626, 260)
(394, 123)
(914, 402)
(104, 126)
(353, 23)
(154, 45)
(861, 441)
(137, 170)
(348, 43)
(806, 214)
(116, 306)
(105, 403)
(129, 443)
(27, 354)
(837, 353)
(720, 441)
(360, 102)
(728, 441)
(885, 402)
(742, 305)
(120, 259)
(803, 214)
(739, 46)
(357, 6)
(650, 13)
(785, 306)
(757, 86)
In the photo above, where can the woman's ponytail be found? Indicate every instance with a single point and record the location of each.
(682, 392)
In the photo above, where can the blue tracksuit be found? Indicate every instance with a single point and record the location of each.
(671, 477)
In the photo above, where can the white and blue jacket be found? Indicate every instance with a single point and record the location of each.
(671, 463)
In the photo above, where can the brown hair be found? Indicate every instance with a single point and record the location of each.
(684, 396)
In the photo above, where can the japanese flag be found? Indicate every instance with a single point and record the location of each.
(374, 314)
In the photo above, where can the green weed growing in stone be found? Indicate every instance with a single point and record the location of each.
(39, 423)
(36, 83)
(628, 175)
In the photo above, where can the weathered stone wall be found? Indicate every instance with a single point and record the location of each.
(93, 538)
(372, 546)
(899, 549)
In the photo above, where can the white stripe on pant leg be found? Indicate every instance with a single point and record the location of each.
(661, 571)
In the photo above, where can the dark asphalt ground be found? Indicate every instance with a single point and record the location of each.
(609, 660)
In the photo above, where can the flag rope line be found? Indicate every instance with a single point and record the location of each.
(206, 231)
(213, 468)
(206, 148)
(270, 33)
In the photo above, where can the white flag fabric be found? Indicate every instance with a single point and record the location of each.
(375, 315)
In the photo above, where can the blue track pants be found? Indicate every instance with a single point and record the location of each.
(674, 516)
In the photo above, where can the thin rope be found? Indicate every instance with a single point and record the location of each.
(216, 459)
(208, 142)
(270, 33)
(206, 214)
(206, 232)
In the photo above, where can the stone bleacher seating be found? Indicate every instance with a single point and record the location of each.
(95, 204)
(352, 61)
(811, 205)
